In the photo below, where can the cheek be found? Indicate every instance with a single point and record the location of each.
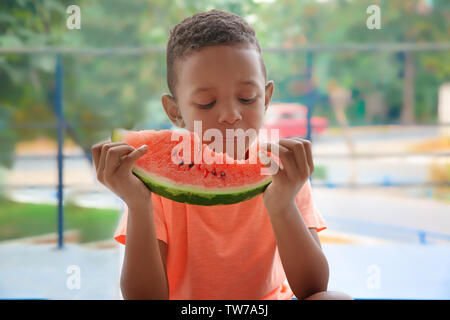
(254, 115)
(199, 115)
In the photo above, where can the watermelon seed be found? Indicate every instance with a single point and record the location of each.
(214, 172)
(191, 165)
(222, 174)
(181, 163)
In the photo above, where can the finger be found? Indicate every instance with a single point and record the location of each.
(295, 147)
(308, 149)
(286, 156)
(269, 163)
(113, 158)
(103, 153)
(300, 154)
(96, 150)
(131, 159)
(274, 148)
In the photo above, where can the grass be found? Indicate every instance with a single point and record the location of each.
(19, 220)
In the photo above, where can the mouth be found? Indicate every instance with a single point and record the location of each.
(235, 138)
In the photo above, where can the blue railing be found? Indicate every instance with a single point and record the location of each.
(385, 231)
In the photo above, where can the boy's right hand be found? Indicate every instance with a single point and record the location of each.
(113, 162)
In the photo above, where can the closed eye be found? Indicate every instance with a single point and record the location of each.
(206, 106)
(210, 105)
(247, 101)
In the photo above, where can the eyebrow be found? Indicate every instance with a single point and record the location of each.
(242, 83)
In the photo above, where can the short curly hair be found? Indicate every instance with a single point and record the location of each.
(214, 27)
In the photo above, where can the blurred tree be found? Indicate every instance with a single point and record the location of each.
(415, 21)
(100, 92)
(26, 79)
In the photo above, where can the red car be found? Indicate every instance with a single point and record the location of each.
(291, 120)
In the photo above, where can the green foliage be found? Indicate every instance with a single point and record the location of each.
(7, 138)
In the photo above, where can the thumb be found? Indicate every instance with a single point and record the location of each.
(131, 159)
(269, 163)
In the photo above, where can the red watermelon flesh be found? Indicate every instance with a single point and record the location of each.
(169, 172)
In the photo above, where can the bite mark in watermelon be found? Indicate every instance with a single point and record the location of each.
(189, 181)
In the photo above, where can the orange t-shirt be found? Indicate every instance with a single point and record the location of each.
(223, 252)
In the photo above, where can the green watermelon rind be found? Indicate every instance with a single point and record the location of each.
(192, 196)
(189, 194)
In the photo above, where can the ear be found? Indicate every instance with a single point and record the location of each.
(172, 110)
(268, 94)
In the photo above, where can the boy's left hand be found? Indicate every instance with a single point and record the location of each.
(297, 166)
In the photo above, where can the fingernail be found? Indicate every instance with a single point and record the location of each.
(143, 147)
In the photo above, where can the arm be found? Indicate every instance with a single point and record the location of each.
(304, 263)
(313, 232)
(143, 272)
(144, 268)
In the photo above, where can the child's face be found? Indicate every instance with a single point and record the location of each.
(221, 86)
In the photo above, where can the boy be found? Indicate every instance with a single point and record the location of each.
(216, 75)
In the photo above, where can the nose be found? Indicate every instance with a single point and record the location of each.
(230, 115)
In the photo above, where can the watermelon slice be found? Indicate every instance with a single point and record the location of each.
(191, 178)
